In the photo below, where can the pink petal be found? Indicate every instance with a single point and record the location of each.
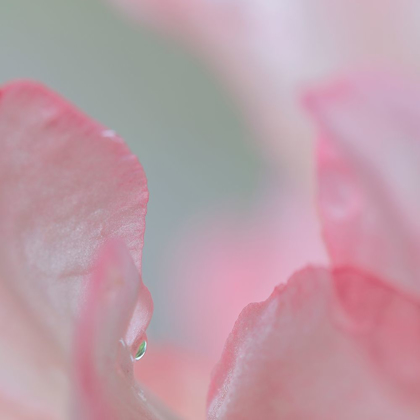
(368, 171)
(104, 382)
(337, 345)
(229, 260)
(66, 185)
(33, 385)
(178, 377)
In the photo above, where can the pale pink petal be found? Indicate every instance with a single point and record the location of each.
(232, 259)
(178, 377)
(326, 346)
(104, 385)
(369, 167)
(267, 50)
(33, 382)
(66, 185)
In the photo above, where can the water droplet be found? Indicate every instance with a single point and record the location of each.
(141, 350)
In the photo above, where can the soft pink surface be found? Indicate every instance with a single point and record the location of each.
(66, 185)
(177, 376)
(104, 385)
(368, 171)
(328, 346)
(343, 344)
(267, 52)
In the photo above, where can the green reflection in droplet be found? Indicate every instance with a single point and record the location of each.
(141, 350)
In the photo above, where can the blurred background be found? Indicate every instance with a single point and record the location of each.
(183, 126)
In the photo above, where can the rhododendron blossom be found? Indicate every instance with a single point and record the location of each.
(267, 53)
(339, 342)
(68, 186)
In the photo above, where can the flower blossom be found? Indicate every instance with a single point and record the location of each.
(70, 193)
(339, 342)
(337, 339)
(342, 343)
(267, 53)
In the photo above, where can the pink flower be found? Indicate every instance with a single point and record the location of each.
(343, 343)
(267, 52)
(333, 343)
(70, 190)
